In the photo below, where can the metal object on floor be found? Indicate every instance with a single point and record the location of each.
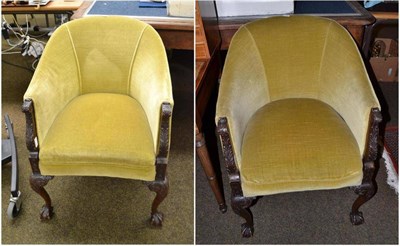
(9, 154)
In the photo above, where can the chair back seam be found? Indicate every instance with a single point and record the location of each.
(133, 60)
(76, 60)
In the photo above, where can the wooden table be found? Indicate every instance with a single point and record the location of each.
(207, 73)
(176, 34)
(355, 24)
(208, 67)
(382, 18)
(53, 7)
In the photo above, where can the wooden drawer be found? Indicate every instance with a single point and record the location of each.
(199, 35)
(202, 51)
(201, 41)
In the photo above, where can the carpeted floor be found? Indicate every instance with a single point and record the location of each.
(314, 217)
(97, 209)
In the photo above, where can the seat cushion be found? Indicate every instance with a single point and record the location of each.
(296, 145)
(100, 134)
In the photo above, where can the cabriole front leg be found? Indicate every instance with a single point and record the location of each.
(365, 191)
(241, 206)
(37, 182)
(160, 187)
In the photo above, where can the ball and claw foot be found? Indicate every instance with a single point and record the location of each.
(46, 213)
(247, 231)
(356, 218)
(223, 208)
(156, 219)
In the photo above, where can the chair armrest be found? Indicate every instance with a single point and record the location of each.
(345, 85)
(150, 82)
(164, 140)
(227, 150)
(371, 149)
(354, 106)
(55, 82)
(243, 88)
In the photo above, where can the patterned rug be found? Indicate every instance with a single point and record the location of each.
(392, 145)
(391, 156)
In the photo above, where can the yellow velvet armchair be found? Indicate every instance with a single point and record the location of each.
(296, 111)
(100, 104)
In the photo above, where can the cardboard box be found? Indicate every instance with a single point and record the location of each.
(385, 60)
(227, 8)
(389, 46)
(385, 68)
(180, 8)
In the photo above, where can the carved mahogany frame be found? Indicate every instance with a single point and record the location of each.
(241, 205)
(159, 185)
(37, 180)
(368, 187)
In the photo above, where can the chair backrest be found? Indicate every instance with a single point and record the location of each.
(104, 49)
(291, 52)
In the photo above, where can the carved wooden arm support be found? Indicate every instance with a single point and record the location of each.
(367, 189)
(229, 156)
(32, 141)
(163, 145)
(371, 149)
(31, 133)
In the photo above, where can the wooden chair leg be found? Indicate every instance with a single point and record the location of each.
(365, 191)
(37, 182)
(241, 206)
(161, 188)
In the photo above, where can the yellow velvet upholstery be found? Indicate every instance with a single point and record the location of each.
(97, 93)
(294, 57)
(100, 134)
(298, 144)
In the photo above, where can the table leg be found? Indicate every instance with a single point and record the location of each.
(205, 161)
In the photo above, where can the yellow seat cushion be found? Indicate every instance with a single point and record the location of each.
(100, 134)
(296, 145)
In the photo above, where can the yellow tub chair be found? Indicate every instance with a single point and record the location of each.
(296, 111)
(100, 104)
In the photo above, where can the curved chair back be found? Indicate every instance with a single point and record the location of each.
(105, 49)
(294, 57)
(102, 54)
